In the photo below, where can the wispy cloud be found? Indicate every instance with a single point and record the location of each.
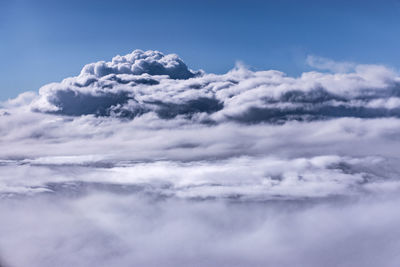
(322, 63)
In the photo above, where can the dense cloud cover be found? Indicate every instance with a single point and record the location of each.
(143, 82)
(143, 162)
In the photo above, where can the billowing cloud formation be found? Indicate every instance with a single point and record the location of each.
(139, 62)
(142, 156)
(144, 82)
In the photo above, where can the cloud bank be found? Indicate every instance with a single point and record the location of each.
(144, 82)
(142, 161)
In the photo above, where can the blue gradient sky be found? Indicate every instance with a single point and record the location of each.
(44, 41)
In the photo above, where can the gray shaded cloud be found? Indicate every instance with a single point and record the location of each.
(127, 88)
(139, 62)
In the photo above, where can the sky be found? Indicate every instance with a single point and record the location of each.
(128, 150)
(45, 41)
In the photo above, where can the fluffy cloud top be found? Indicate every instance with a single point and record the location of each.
(139, 62)
(143, 82)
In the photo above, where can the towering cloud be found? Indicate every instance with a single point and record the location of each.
(143, 82)
(139, 62)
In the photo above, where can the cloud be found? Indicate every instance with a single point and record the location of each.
(139, 62)
(322, 63)
(147, 82)
(116, 229)
(142, 156)
(266, 177)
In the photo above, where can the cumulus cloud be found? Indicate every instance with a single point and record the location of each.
(139, 62)
(142, 156)
(150, 82)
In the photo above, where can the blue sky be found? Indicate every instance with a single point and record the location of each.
(44, 41)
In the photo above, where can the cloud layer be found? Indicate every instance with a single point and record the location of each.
(143, 82)
(142, 156)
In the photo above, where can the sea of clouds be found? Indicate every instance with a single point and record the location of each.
(142, 161)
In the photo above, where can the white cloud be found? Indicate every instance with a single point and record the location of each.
(128, 160)
(126, 87)
(322, 63)
(110, 229)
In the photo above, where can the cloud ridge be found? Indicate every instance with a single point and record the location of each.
(143, 82)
